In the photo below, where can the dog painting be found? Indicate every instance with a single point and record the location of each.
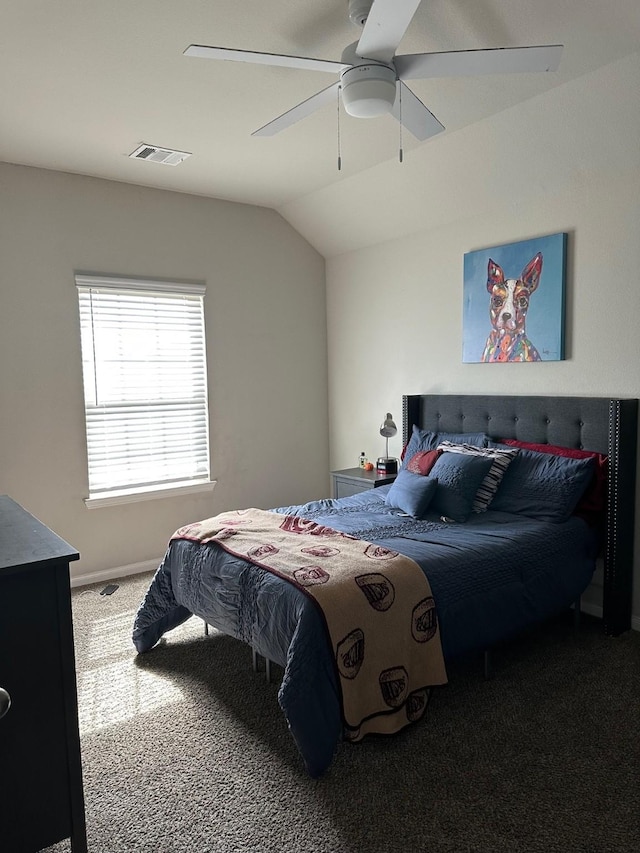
(512, 314)
(508, 306)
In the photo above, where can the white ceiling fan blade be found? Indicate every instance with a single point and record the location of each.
(385, 26)
(206, 52)
(300, 111)
(470, 63)
(413, 115)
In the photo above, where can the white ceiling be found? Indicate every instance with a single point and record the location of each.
(86, 81)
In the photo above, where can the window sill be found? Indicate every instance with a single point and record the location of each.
(150, 494)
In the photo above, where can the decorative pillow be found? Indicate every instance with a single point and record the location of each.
(543, 486)
(478, 439)
(593, 502)
(500, 461)
(459, 477)
(411, 493)
(422, 462)
(423, 439)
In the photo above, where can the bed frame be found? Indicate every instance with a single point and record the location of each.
(601, 424)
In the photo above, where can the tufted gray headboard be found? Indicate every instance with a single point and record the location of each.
(592, 423)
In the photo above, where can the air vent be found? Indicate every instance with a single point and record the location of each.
(155, 154)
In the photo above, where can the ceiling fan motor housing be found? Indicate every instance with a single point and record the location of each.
(359, 11)
(368, 90)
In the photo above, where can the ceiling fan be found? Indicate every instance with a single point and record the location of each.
(371, 76)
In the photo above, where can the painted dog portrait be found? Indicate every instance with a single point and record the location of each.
(508, 305)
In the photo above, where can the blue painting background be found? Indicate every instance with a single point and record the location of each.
(545, 317)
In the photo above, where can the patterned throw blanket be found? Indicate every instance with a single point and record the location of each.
(376, 603)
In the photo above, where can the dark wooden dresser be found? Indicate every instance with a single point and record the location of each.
(41, 796)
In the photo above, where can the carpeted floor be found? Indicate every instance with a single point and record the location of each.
(185, 750)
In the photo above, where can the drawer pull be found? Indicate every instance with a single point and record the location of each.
(5, 702)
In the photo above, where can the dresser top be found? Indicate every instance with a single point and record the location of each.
(26, 541)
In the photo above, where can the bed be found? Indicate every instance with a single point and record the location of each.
(491, 574)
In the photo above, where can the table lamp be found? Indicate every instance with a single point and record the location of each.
(387, 464)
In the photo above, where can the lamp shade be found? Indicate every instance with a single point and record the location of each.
(388, 428)
(385, 464)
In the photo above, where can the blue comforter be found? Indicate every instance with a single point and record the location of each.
(491, 577)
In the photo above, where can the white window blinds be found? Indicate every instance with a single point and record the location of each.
(145, 384)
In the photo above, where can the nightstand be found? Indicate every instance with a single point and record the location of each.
(351, 481)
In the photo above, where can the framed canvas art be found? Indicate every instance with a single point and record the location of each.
(514, 301)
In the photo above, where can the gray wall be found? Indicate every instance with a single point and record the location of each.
(265, 318)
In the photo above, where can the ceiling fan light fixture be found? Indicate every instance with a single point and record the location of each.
(368, 91)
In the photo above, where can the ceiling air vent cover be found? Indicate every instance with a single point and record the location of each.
(167, 156)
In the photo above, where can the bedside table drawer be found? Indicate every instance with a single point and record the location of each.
(352, 481)
(345, 488)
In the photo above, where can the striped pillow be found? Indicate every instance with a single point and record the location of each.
(501, 460)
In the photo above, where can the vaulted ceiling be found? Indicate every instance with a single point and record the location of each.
(86, 82)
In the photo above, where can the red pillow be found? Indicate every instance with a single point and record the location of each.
(423, 461)
(593, 502)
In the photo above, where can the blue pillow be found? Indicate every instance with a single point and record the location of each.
(459, 478)
(543, 486)
(423, 439)
(411, 493)
(479, 439)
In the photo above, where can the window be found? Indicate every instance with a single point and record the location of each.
(145, 386)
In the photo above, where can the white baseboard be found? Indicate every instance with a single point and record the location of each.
(596, 610)
(591, 609)
(118, 572)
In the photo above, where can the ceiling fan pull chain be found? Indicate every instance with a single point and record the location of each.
(339, 152)
(400, 154)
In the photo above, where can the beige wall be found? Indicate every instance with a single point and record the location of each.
(568, 161)
(266, 341)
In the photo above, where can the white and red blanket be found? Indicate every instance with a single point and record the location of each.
(377, 606)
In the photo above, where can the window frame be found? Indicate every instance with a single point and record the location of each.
(85, 283)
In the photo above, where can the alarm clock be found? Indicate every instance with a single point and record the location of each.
(386, 465)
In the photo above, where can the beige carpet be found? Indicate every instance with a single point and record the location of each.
(185, 750)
